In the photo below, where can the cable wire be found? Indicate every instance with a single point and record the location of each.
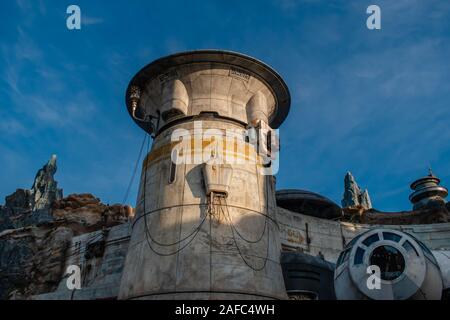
(239, 249)
(148, 235)
(245, 239)
(127, 192)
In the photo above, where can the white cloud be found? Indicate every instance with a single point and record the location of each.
(40, 93)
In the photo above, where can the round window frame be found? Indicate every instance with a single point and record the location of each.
(371, 253)
(403, 286)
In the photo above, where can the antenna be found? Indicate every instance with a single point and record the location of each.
(430, 172)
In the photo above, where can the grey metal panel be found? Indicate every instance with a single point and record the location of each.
(306, 273)
(307, 202)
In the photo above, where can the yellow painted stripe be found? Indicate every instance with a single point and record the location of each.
(237, 151)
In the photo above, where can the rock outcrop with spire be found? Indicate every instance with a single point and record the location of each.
(32, 206)
(45, 189)
(37, 226)
(353, 196)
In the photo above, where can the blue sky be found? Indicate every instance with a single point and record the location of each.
(372, 102)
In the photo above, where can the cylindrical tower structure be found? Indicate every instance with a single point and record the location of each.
(205, 224)
(427, 192)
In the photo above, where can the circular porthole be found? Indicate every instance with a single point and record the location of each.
(405, 268)
(390, 261)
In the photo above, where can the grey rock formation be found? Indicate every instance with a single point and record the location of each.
(19, 201)
(26, 207)
(32, 260)
(353, 196)
(351, 192)
(5, 220)
(365, 201)
(45, 189)
(13, 269)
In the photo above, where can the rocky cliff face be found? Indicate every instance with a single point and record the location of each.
(32, 257)
(87, 213)
(36, 227)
